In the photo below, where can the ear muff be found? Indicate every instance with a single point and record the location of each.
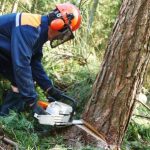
(57, 24)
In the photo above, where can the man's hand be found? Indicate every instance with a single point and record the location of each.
(55, 93)
(38, 109)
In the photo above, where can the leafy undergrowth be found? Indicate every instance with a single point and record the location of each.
(23, 129)
(138, 133)
(137, 137)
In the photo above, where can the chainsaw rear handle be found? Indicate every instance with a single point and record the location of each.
(74, 102)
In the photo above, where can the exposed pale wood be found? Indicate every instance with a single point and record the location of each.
(83, 137)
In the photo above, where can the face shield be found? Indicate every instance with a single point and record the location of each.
(64, 36)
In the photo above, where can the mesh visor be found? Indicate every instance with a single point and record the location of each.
(65, 36)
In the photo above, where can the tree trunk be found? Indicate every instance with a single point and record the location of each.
(92, 14)
(34, 4)
(15, 6)
(2, 6)
(125, 62)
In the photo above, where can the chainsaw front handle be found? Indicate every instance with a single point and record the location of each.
(74, 104)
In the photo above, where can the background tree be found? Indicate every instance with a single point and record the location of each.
(2, 6)
(15, 6)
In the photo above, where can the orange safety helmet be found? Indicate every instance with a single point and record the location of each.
(68, 14)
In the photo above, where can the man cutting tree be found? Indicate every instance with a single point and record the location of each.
(22, 36)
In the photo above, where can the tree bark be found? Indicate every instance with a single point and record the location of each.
(122, 72)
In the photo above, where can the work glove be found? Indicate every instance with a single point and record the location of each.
(55, 93)
(34, 108)
(38, 109)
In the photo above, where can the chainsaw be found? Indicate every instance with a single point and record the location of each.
(61, 114)
(58, 113)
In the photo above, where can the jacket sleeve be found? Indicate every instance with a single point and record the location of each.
(22, 42)
(39, 73)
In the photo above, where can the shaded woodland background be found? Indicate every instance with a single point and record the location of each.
(73, 67)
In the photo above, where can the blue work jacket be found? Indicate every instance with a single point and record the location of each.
(22, 36)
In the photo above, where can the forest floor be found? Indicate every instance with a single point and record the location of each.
(5, 146)
(28, 134)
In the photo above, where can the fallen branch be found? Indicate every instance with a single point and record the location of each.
(1, 148)
(143, 104)
(141, 116)
(8, 141)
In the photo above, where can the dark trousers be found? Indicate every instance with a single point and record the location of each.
(12, 101)
(6, 69)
